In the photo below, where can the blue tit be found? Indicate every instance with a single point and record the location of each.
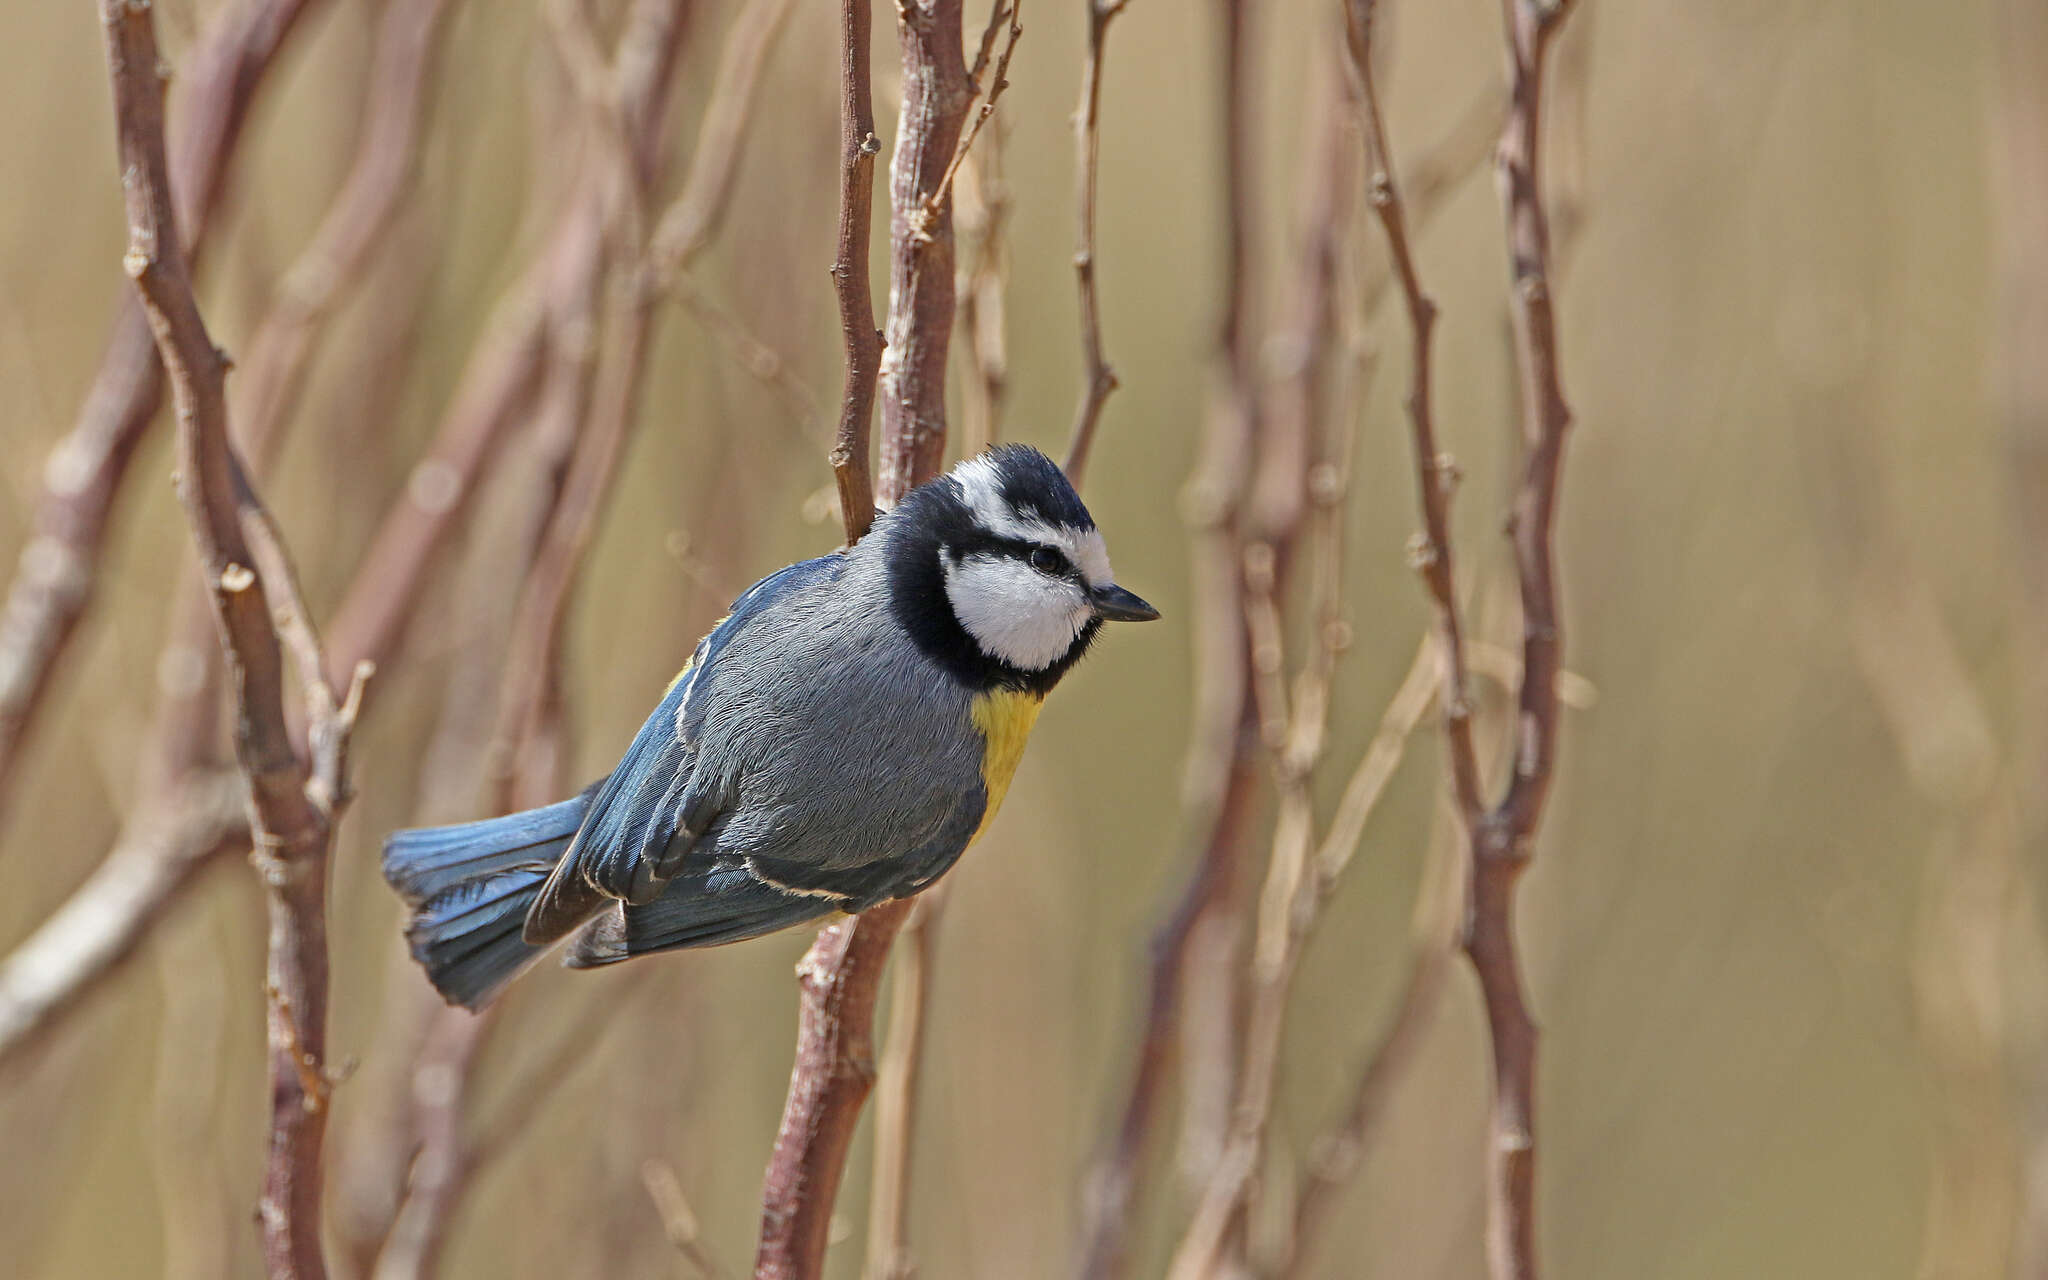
(836, 742)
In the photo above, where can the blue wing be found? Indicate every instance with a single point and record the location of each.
(646, 815)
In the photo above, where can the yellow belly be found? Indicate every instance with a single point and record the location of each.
(1005, 718)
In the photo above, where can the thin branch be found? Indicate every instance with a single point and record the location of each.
(293, 801)
(1498, 839)
(590, 410)
(678, 1220)
(1503, 842)
(103, 920)
(687, 227)
(1193, 990)
(1098, 379)
(380, 177)
(1335, 1156)
(889, 1256)
(1299, 455)
(985, 215)
(936, 97)
(840, 976)
(863, 341)
(837, 981)
(55, 579)
(441, 1166)
(1003, 9)
(1439, 171)
(1436, 473)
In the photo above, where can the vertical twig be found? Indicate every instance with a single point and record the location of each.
(293, 800)
(1498, 839)
(1502, 844)
(1098, 379)
(857, 148)
(889, 1256)
(936, 96)
(983, 283)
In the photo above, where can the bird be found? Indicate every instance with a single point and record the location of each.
(836, 741)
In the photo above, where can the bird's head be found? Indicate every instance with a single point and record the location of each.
(998, 571)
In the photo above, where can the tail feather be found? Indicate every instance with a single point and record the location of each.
(468, 888)
(701, 909)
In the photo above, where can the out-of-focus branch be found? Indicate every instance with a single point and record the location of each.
(1307, 458)
(840, 976)
(1098, 379)
(1275, 505)
(54, 581)
(99, 924)
(293, 801)
(889, 1256)
(678, 1220)
(857, 148)
(1193, 990)
(118, 910)
(698, 211)
(588, 414)
(273, 368)
(2018, 126)
(984, 214)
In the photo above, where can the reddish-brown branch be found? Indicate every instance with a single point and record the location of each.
(838, 981)
(1436, 473)
(1503, 841)
(1098, 379)
(857, 149)
(54, 582)
(293, 801)
(936, 96)
(839, 978)
(1498, 839)
(1005, 11)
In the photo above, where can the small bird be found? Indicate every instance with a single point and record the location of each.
(836, 742)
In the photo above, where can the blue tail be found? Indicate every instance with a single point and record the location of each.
(468, 888)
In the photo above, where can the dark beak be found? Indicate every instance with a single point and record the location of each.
(1114, 604)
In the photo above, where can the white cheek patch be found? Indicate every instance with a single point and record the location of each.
(1015, 613)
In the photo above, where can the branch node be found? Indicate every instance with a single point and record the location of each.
(1423, 554)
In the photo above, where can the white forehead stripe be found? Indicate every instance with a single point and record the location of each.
(1014, 612)
(981, 488)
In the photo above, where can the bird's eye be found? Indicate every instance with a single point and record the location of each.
(1046, 560)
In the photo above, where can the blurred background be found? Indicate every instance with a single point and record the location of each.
(1782, 932)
